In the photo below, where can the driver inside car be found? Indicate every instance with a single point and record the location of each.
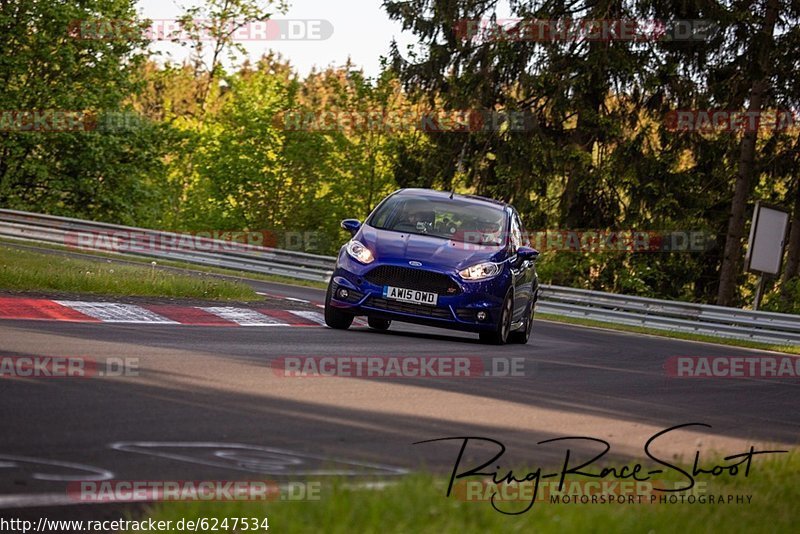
(418, 220)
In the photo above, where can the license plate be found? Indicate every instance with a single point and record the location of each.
(410, 295)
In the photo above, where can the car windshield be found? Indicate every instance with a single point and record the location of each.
(455, 219)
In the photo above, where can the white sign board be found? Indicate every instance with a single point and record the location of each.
(767, 234)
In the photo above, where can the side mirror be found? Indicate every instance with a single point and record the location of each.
(527, 253)
(351, 225)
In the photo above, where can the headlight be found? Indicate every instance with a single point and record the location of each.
(480, 271)
(359, 252)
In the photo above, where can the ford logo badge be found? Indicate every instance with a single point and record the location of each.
(415, 264)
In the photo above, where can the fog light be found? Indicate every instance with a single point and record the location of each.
(481, 315)
(343, 293)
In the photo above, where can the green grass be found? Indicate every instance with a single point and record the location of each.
(178, 265)
(790, 349)
(23, 270)
(417, 503)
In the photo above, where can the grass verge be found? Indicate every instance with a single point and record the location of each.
(24, 270)
(790, 349)
(194, 267)
(417, 503)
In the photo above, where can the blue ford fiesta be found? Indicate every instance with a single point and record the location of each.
(438, 259)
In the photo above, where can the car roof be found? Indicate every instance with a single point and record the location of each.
(432, 193)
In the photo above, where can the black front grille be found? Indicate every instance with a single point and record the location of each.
(403, 307)
(467, 314)
(420, 279)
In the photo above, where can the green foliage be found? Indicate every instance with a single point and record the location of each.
(214, 24)
(251, 163)
(106, 174)
(787, 301)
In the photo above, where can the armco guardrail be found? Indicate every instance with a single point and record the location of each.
(705, 319)
(163, 245)
(606, 307)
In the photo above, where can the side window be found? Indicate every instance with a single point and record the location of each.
(524, 238)
(516, 233)
(383, 213)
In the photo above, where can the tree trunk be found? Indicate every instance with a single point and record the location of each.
(732, 255)
(792, 267)
(576, 203)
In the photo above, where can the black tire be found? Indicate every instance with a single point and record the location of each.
(334, 317)
(499, 336)
(524, 334)
(378, 323)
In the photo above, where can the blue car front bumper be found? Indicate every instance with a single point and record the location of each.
(458, 303)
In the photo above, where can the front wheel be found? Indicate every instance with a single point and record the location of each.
(334, 317)
(499, 336)
(524, 334)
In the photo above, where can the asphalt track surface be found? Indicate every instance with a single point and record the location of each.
(206, 405)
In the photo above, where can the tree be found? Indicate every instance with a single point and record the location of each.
(217, 22)
(760, 68)
(51, 62)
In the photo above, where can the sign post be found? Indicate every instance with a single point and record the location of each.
(765, 246)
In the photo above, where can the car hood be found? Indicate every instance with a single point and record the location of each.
(430, 251)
